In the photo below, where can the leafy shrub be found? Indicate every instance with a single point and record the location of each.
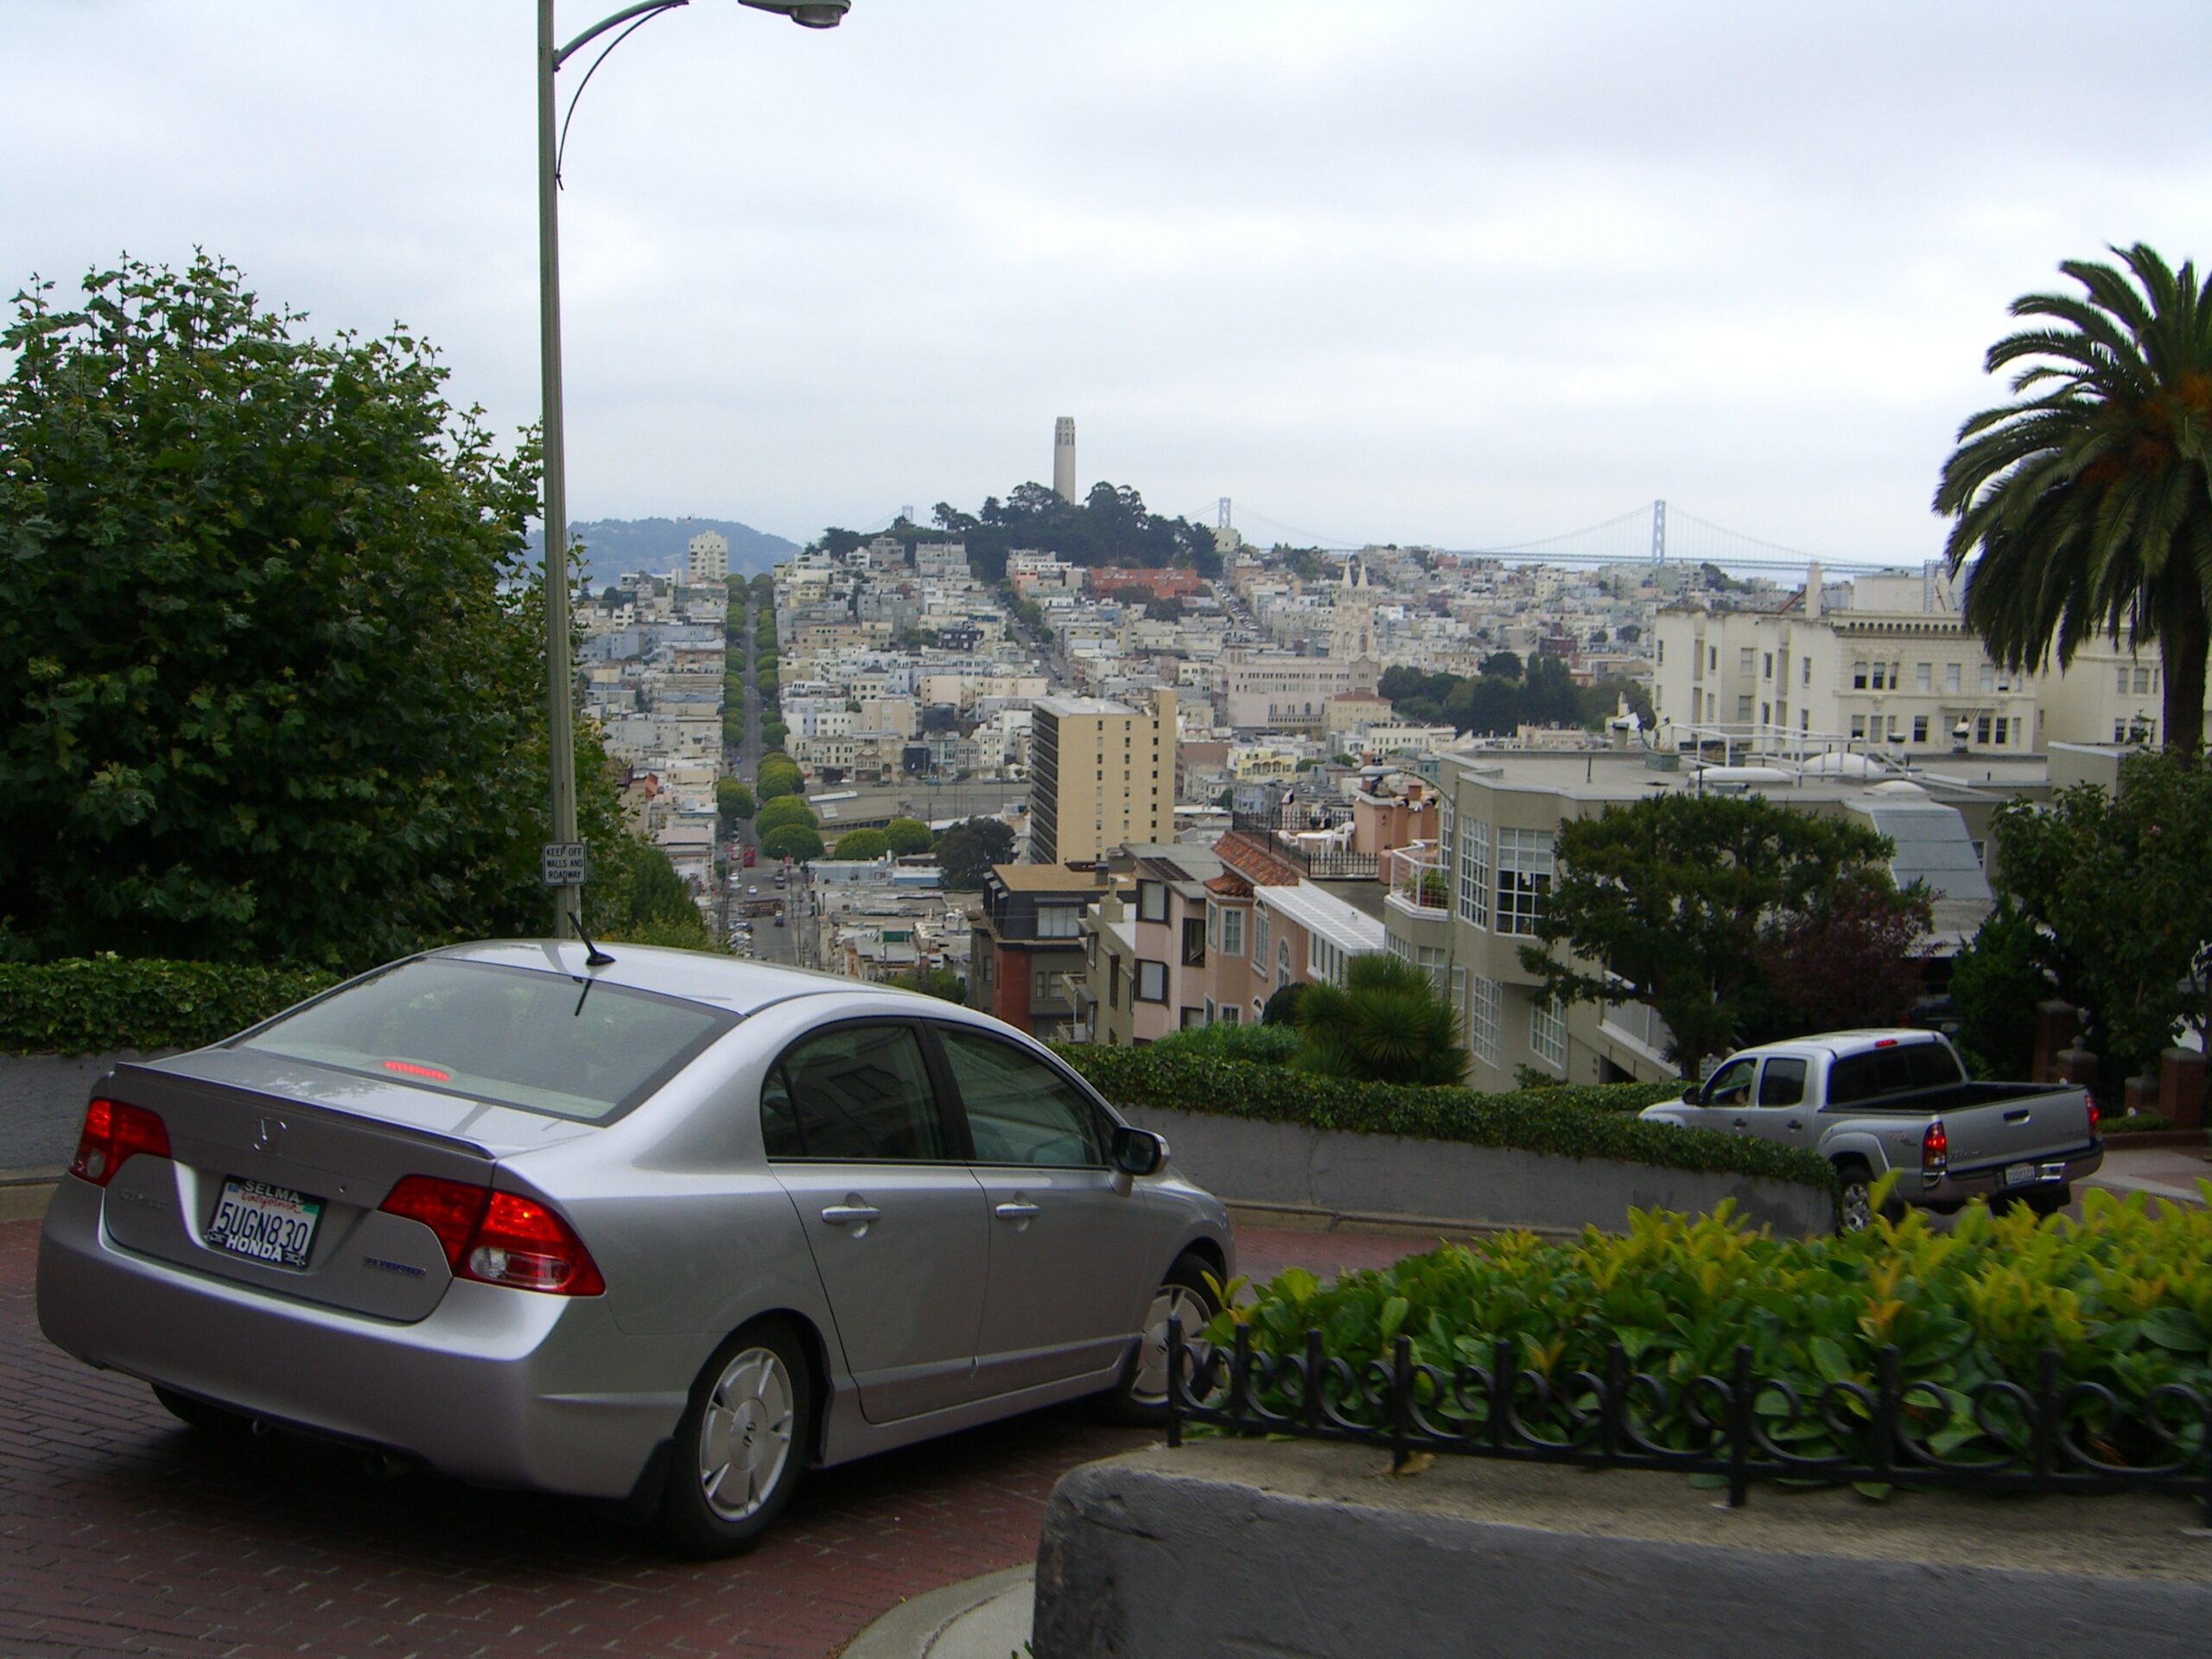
(87, 1005)
(1387, 1022)
(1254, 1045)
(2122, 1295)
(2137, 1124)
(1573, 1121)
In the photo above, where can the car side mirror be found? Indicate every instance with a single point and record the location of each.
(1138, 1152)
(1689, 1094)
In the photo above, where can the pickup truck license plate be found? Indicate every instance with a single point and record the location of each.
(2020, 1174)
(264, 1223)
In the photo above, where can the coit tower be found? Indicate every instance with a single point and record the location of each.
(1063, 457)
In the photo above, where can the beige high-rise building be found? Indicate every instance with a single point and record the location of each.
(1101, 774)
(709, 557)
(1063, 457)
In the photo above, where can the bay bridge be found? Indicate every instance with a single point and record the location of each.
(1652, 533)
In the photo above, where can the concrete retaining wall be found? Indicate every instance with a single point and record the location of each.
(1292, 1166)
(42, 1105)
(1306, 1552)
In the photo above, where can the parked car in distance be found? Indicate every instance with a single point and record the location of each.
(653, 1226)
(1870, 1101)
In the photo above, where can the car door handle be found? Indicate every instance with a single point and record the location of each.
(1020, 1211)
(1795, 1124)
(2019, 1115)
(844, 1215)
(1743, 1123)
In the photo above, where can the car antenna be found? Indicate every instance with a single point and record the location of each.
(593, 956)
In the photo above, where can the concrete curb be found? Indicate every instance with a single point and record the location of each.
(24, 1193)
(969, 1620)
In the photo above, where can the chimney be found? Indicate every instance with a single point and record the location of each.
(1812, 590)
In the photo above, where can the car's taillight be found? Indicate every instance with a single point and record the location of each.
(1934, 1148)
(113, 1132)
(497, 1237)
(2090, 1101)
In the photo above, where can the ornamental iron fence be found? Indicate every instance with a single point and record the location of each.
(2001, 1435)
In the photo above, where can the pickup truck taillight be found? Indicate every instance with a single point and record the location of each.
(2090, 1101)
(499, 1238)
(1934, 1148)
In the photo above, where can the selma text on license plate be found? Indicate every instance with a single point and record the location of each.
(264, 1223)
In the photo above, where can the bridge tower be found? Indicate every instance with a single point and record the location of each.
(1658, 532)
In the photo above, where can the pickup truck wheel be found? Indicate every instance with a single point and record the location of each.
(1854, 1202)
(2049, 1201)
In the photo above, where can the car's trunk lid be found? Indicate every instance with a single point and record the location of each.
(290, 1160)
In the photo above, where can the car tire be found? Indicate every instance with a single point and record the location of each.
(741, 1446)
(201, 1415)
(1140, 1397)
(2049, 1201)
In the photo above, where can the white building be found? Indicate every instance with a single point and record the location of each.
(709, 557)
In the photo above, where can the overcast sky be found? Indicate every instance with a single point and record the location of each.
(1453, 272)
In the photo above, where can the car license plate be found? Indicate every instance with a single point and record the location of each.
(264, 1223)
(2020, 1174)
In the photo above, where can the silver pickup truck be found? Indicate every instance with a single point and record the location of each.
(1870, 1102)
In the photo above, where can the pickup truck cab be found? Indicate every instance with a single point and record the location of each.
(1870, 1101)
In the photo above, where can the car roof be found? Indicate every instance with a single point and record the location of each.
(734, 982)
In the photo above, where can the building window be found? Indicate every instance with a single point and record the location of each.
(1989, 676)
(1713, 658)
(1194, 941)
(1920, 728)
(1260, 925)
(1744, 710)
(1768, 673)
(1923, 677)
(1859, 677)
(1950, 676)
(1981, 730)
(1548, 1030)
(1482, 1018)
(1474, 872)
(2142, 682)
(1113, 982)
(2002, 724)
(1151, 901)
(1859, 726)
(1282, 962)
(1662, 653)
(1744, 657)
(1045, 987)
(1807, 667)
(1059, 921)
(1880, 680)
(1151, 982)
(1230, 1014)
(1524, 876)
(1232, 931)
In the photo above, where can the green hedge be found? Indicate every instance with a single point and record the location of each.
(1573, 1121)
(2122, 1294)
(91, 1005)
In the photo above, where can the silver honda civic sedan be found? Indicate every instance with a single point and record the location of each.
(657, 1227)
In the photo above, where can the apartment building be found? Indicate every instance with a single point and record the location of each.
(1464, 908)
(1894, 666)
(1101, 775)
(1027, 939)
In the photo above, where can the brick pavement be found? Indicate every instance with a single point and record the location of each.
(122, 1532)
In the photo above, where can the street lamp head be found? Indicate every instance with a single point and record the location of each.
(807, 13)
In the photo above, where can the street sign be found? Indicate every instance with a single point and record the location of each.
(563, 863)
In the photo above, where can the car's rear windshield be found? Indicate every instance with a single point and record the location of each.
(543, 1041)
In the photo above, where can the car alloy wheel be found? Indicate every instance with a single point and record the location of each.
(1149, 1386)
(745, 1437)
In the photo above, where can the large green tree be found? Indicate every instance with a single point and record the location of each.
(1672, 901)
(270, 683)
(967, 850)
(2115, 885)
(2086, 508)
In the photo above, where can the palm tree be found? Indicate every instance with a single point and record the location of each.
(2086, 507)
(1385, 1024)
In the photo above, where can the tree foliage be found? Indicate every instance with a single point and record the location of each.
(1996, 982)
(864, 844)
(908, 836)
(1504, 696)
(781, 810)
(1386, 1023)
(1670, 900)
(2117, 888)
(1853, 960)
(968, 850)
(267, 689)
(1111, 525)
(778, 773)
(940, 982)
(2086, 507)
(635, 894)
(733, 799)
(792, 840)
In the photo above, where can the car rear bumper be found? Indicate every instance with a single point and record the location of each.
(1956, 1187)
(500, 1387)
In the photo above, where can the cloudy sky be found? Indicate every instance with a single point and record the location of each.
(1454, 272)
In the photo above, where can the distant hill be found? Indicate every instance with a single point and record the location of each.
(614, 546)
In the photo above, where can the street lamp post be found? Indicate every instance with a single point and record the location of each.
(562, 867)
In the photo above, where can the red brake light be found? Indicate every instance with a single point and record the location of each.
(2096, 1117)
(499, 1238)
(410, 1069)
(113, 1132)
(1934, 1148)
